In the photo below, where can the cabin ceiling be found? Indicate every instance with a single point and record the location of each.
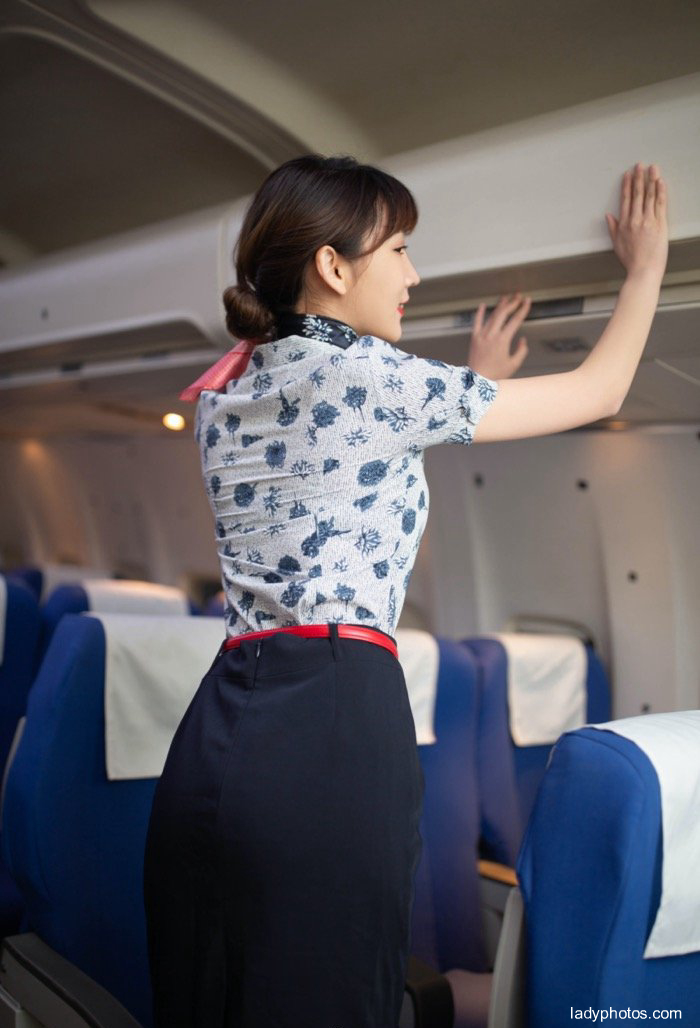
(120, 113)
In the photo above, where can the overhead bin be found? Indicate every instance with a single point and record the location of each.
(561, 332)
(130, 302)
(521, 206)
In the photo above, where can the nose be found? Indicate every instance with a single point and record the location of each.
(414, 278)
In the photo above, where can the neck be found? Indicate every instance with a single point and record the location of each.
(324, 327)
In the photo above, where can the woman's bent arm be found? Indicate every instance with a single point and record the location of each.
(544, 404)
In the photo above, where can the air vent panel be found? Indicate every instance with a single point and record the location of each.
(144, 341)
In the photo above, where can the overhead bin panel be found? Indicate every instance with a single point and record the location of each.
(532, 195)
(154, 292)
(146, 341)
(561, 332)
(517, 207)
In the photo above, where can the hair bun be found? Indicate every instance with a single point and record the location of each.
(246, 316)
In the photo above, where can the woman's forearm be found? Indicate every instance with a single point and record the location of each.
(614, 360)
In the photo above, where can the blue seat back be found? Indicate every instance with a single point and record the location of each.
(19, 660)
(32, 577)
(446, 924)
(64, 599)
(72, 839)
(17, 668)
(501, 824)
(215, 606)
(510, 775)
(590, 873)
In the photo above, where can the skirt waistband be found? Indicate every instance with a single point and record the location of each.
(348, 631)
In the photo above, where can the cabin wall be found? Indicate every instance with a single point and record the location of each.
(520, 535)
(132, 505)
(599, 527)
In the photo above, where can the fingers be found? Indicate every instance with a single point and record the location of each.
(661, 197)
(650, 197)
(642, 195)
(505, 307)
(626, 198)
(637, 193)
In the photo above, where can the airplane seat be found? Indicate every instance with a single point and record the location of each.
(531, 761)
(72, 839)
(109, 595)
(447, 925)
(215, 605)
(501, 825)
(43, 579)
(19, 635)
(32, 577)
(445, 929)
(608, 873)
(64, 599)
(510, 774)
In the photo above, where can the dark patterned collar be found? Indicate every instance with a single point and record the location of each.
(316, 326)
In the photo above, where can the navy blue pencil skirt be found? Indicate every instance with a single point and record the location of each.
(284, 841)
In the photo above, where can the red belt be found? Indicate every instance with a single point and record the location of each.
(349, 631)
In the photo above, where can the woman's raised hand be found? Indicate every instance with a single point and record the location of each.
(640, 236)
(489, 350)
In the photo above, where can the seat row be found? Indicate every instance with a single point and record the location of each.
(74, 820)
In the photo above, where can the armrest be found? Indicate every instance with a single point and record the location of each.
(496, 882)
(497, 872)
(53, 990)
(507, 1007)
(431, 994)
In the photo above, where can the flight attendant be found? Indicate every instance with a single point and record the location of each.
(284, 836)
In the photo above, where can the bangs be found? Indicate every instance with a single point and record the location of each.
(389, 207)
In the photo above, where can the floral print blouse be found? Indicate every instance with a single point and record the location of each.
(313, 464)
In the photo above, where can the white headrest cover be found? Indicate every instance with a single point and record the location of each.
(419, 657)
(153, 668)
(546, 685)
(108, 595)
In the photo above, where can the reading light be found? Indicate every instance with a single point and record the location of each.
(176, 422)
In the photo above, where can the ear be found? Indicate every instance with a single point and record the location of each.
(333, 269)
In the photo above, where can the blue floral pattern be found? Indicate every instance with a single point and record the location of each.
(313, 465)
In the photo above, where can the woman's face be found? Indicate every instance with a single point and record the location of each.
(374, 302)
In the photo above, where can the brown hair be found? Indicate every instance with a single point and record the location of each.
(304, 204)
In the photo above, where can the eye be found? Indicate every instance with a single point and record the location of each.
(400, 248)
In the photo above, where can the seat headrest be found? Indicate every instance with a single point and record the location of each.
(419, 656)
(546, 685)
(108, 595)
(671, 742)
(153, 668)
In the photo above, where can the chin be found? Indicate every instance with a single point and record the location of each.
(392, 334)
(388, 330)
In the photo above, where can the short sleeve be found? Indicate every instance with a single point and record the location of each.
(424, 401)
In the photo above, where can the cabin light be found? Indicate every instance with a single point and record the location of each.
(176, 422)
(33, 450)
